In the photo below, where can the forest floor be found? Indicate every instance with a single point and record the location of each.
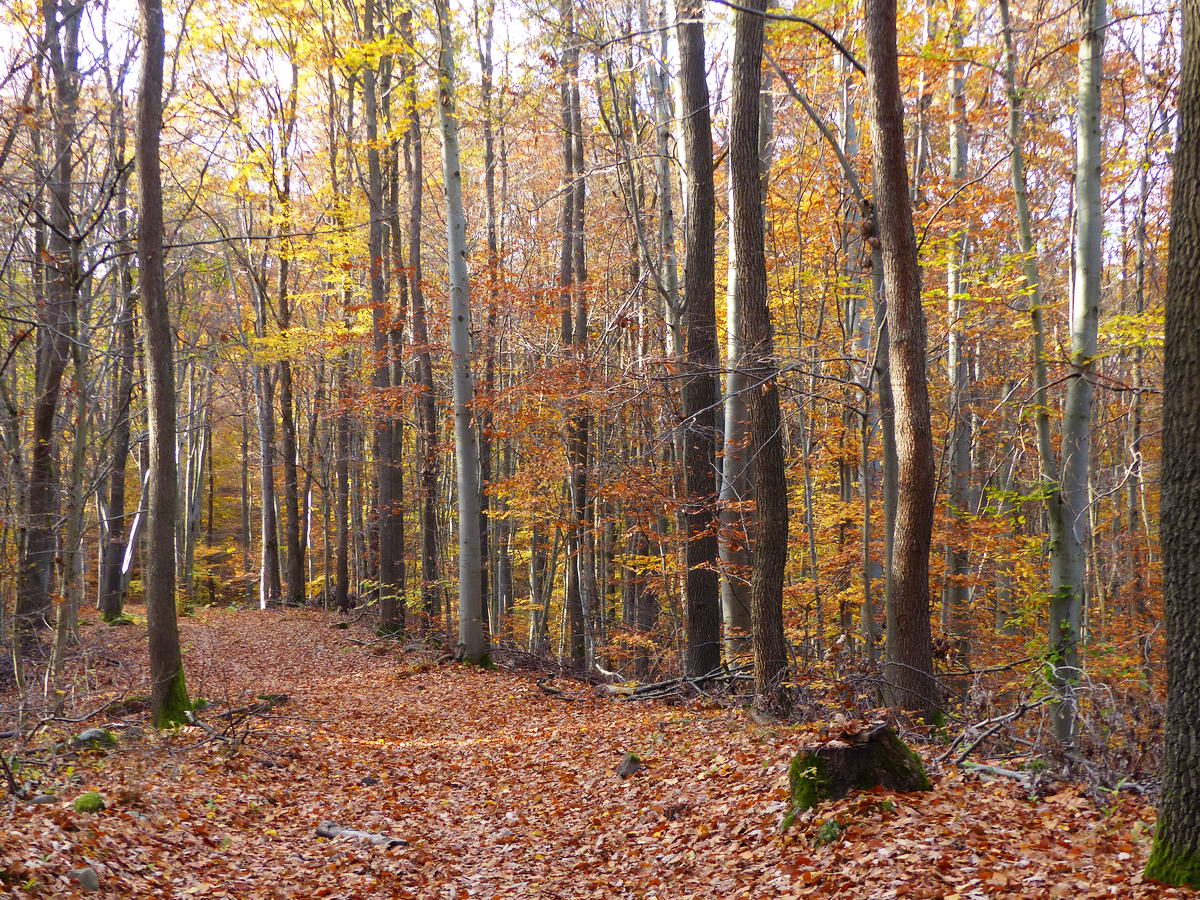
(502, 791)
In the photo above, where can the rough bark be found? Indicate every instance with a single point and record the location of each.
(1175, 858)
(427, 400)
(169, 697)
(702, 608)
(909, 652)
(112, 551)
(62, 20)
(760, 367)
(387, 498)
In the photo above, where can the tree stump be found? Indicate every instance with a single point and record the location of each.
(873, 756)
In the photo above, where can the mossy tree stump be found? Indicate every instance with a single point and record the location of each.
(874, 756)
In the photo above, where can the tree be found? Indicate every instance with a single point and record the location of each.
(471, 635)
(759, 366)
(956, 597)
(169, 698)
(1175, 858)
(62, 19)
(702, 604)
(1068, 566)
(427, 401)
(909, 664)
(391, 610)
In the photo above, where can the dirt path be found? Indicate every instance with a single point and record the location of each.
(503, 792)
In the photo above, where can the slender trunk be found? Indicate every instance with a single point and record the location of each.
(484, 38)
(1068, 561)
(471, 635)
(55, 319)
(956, 618)
(113, 548)
(427, 401)
(270, 590)
(701, 358)
(168, 692)
(387, 496)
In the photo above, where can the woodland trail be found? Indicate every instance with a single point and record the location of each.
(504, 792)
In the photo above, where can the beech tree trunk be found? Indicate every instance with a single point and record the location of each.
(909, 652)
(471, 635)
(1068, 565)
(170, 705)
(1175, 858)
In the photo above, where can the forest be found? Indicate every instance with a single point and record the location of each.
(641, 448)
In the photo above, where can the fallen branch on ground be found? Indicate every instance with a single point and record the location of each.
(556, 692)
(333, 830)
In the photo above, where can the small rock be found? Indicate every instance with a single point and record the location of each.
(763, 717)
(415, 648)
(44, 798)
(630, 765)
(94, 739)
(87, 878)
(368, 781)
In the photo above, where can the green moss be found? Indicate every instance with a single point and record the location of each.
(904, 763)
(809, 783)
(94, 739)
(175, 706)
(118, 619)
(830, 831)
(91, 802)
(392, 629)
(1171, 866)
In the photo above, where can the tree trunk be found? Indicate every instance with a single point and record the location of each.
(956, 618)
(759, 365)
(270, 590)
(909, 653)
(427, 402)
(1067, 562)
(112, 550)
(55, 320)
(1175, 858)
(471, 636)
(702, 602)
(387, 497)
(168, 693)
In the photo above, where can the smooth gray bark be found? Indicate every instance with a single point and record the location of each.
(471, 634)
